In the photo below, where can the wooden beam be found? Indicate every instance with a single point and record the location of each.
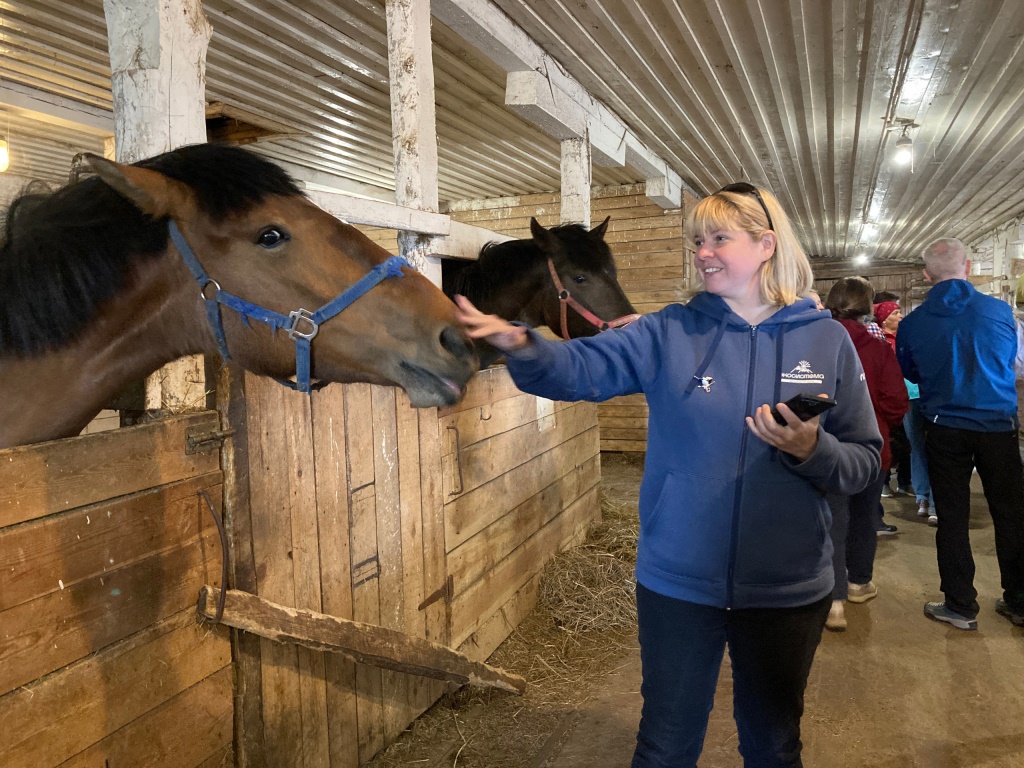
(551, 109)
(158, 79)
(465, 241)
(376, 213)
(363, 643)
(56, 110)
(665, 192)
(413, 128)
(576, 178)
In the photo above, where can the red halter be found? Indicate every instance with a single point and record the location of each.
(565, 298)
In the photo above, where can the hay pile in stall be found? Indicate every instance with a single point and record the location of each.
(584, 623)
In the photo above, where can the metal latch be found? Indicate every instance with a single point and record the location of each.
(197, 441)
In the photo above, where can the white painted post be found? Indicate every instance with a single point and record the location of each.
(414, 132)
(576, 180)
(158, 77)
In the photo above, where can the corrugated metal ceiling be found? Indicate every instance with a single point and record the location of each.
(793, 94)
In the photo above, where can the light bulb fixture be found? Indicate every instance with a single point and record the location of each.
(5, 156)
(905, 150)
(860, 259)
(904, 154)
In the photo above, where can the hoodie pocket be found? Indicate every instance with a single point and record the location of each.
(686, 533)
(783, 534)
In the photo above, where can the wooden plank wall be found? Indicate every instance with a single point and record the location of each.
(521, 479)
(104, 544)
(353, 513)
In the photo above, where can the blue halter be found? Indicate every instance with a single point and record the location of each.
(301, 325)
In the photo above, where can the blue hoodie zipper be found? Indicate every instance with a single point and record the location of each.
(737, 498)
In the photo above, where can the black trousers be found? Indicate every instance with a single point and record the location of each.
(681, 649)
(952, 456)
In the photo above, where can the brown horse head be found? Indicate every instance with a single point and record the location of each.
(91, 282)
(284, 253)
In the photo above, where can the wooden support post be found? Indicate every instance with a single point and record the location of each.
(576, 178)
(413, 130)
(363, 643)
(158, 78)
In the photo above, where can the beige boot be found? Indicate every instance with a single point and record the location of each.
(836, 621)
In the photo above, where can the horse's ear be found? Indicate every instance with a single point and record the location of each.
(543, 237)
(598, 231)
(151, 191)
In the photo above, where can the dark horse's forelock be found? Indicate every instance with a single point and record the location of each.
(500, 263)
(63, 254)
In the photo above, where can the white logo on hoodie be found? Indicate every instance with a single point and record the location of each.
(801, 374)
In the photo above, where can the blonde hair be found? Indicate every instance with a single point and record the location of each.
(786, 276)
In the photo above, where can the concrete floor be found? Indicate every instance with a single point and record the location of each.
(894, 691)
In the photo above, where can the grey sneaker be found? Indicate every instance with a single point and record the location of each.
(861, 593)
(939, 612)
(1003, 609)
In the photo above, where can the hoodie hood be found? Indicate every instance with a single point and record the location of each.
(715, 306)
(949, 298)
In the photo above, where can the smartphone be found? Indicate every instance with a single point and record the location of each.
(805, 406)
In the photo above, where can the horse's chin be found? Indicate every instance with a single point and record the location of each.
(427, 389)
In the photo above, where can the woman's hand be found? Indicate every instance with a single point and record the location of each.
(491, 328)
(797, 438)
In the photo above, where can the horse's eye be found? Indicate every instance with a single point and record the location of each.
(580, 279)
(271, 237)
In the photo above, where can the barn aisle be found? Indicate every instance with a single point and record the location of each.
(894, 691)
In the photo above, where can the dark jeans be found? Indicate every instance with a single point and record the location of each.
(952, 456)
(681, 649)
(861, 536)
(900, 447)
(840, 506)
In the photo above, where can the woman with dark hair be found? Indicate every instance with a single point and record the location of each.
(853, 516)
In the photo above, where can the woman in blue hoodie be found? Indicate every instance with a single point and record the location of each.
(734, 546)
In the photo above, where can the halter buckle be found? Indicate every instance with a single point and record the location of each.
(297, 316)
(207, 284)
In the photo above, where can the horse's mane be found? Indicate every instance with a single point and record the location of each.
(63, 254)
(499, 264)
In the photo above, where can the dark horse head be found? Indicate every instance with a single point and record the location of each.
(564, 278)
(94, 294)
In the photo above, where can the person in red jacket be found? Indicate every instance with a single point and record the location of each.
(854, 518)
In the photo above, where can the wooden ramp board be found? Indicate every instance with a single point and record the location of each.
(364, 643)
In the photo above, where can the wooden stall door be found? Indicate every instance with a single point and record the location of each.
(104, 544)
(345, 518)
(355, 509)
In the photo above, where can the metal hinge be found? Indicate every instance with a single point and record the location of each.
(444, 592)
(198, 441)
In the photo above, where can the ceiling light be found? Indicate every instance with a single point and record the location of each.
(904, 149)
(5, 156)
(860, 259)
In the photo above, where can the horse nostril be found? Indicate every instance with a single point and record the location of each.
(456, 342)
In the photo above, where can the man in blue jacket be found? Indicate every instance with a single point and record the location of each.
(960, 346)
